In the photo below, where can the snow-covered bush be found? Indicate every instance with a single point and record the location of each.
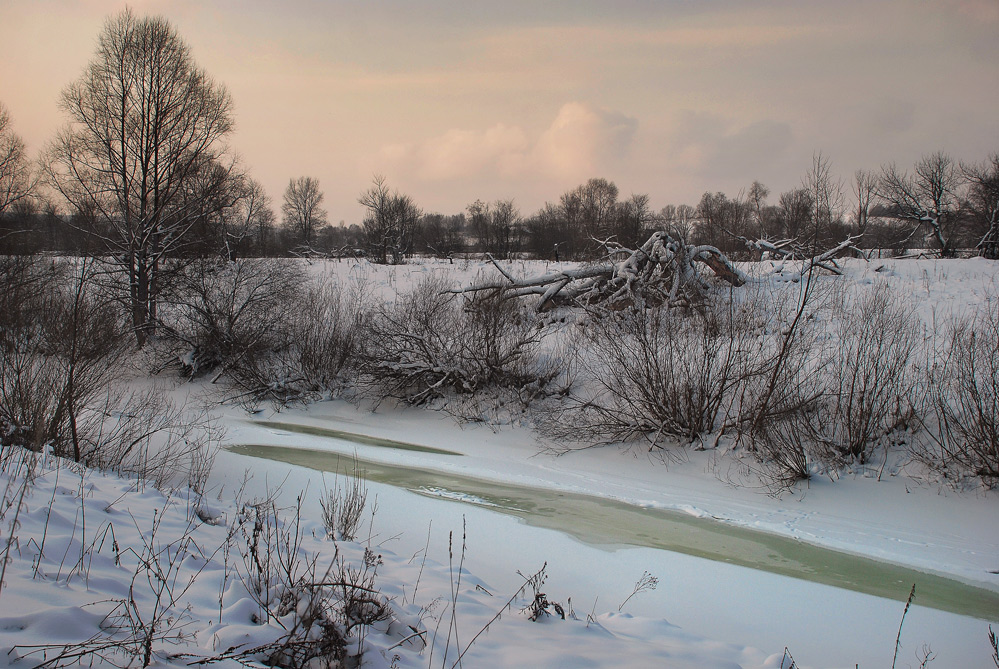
(327, 331)
(431, 344)
(869, 377)
(227, 315)
(838, 390)
(655, 373)
(963, 382)
(270, 331)
(324, 607)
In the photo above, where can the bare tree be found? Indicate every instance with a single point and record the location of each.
(252, 217)
(634, 217)
(589, 210)
(679, 220)
(234, 211)
(827, 199)
(793, 213)
(865, 185)
(758, 194)
(143, 120)
(496, 226)
(442, 235)
(301, 209)
(927, 196)
(722, 221)
(983, 201)
(215, 191)
(16, 181)
(390, 222)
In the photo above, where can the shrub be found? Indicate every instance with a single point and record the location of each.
(655, 373)
(59, 357)
(431, 343)
(785, 448)
(323, 611)
(63, 387)
(781, 384)
(963, 387)
(869, 383)
(327, 332)
(230, 314)
(343, 505)
(280, 337)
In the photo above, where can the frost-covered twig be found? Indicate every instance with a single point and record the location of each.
(646, 583)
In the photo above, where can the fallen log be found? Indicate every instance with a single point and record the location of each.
(660, 271)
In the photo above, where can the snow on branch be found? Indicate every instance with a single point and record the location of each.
(661, 271)
(792, 249)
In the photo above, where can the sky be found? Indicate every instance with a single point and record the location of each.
(459, 100)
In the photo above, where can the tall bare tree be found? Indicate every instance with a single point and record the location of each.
(255, 217)
(144, 119)
(679, 220)
(927, 196)
(827, 198)
(757, 199)
(302, 210)
(496, 226)
(16, 181)
(723, 221)
(793, 213)
(390, 222)
(865, 185)
(590, 209)
(633, 219)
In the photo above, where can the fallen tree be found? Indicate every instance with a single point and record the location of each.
(661, 271)
(792, 249)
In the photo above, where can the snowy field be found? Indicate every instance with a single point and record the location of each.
(98, 566)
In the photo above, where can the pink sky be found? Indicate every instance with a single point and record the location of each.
(457, 101)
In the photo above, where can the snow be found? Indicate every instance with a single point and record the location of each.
(82, 539)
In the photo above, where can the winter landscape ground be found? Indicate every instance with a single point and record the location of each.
(466, 552)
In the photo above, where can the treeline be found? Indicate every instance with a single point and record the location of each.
(941, 205)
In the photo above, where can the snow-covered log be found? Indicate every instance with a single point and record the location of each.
(791, 249)
(827, 259)
(661, 271)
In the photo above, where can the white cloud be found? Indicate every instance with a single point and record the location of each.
(461, 153)
(580, 142)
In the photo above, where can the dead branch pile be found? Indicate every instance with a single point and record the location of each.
(661, 271)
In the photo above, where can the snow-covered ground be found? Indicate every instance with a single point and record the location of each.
(81, 539)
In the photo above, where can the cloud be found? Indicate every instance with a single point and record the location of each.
(459, 153)
(580, 141)
(711, 146)
(583, 139)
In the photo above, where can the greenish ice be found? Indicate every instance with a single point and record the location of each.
(610, 523)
